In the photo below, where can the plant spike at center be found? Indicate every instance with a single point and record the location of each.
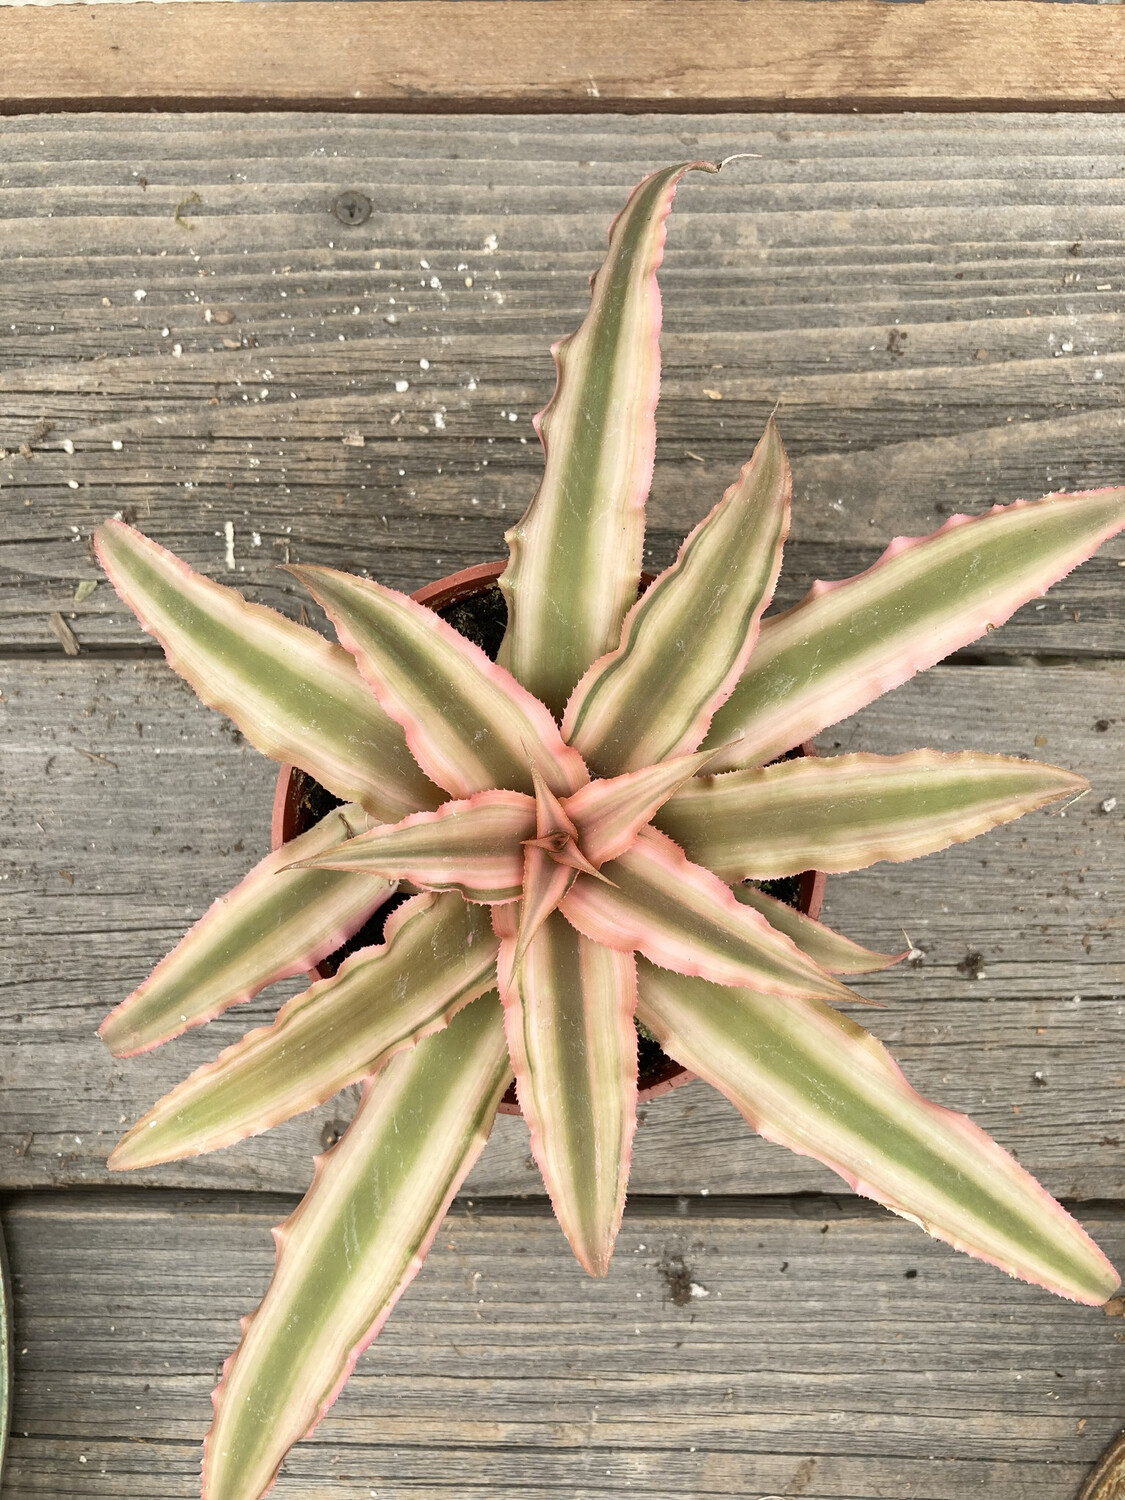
(466, 786)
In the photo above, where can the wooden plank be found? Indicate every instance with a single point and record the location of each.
(130, 808)
(907, 290)
(637, 55)
(820, 1357)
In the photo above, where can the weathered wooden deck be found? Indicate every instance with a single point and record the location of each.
(936, 303)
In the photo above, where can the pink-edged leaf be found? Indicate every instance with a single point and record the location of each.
(355, 1242)
(545, 883)
(569, 1022)
(576, 554)
(849, 642)
(609, 813)
(831, 950)
(474, 846)
(438, 954)
(294, 695)
(274, 923)
(813, 1080)
(686, 641)
(467, 721)
(680, 915)
(845, 812)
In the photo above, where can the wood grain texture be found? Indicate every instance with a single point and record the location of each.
(936, 303)
(131, 807)
(635, 55)
(817, 1358)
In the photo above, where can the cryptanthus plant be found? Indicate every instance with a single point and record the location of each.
(580, 826)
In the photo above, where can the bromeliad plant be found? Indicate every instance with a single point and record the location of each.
(578, 822)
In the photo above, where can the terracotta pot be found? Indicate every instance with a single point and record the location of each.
(287, 821)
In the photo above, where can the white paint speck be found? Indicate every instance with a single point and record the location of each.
(228, 533)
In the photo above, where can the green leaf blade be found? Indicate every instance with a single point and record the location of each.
(812, 1080)
(439, 954)
(275, 923)
(576, 555)
(847, 643)
(569, 1020)
(295, 696)
(686, 641)
(353, 1245)
(679, 914)
(467, 721)
(473, 846)
(829, 949)
(847, 812)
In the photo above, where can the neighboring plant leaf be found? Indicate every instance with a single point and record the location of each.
(294, 695)
(849, 642)
(680, 915)
(569, 1021)
(356, 1241)
(473, 846)
(609, 814)
(1107, 1481)
(467, 720)
(811, 1079)
(576, 554)
(7, 1324)
(686, 641)
(438, 955)
(848, 811)
(837, 954)
(275, 923)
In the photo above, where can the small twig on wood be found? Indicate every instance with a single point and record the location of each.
(94, 755)
(67, 637)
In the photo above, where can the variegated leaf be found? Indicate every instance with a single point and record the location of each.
(848, 811)
(472, 846)
(608, 814)
(831, 950)
(847, 643)
(680, 915)
(294, 695)
(569, 1021)
(811, 1079)
(686, 641)
(545, 883)
(438, 955)
(275, 923)
(468, 722)
(356, 1241)
(576, 555)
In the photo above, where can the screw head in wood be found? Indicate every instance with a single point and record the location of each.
(352, 208)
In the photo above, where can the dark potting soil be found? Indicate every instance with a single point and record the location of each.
(482, 619)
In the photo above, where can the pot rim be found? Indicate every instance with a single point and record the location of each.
(448, 590)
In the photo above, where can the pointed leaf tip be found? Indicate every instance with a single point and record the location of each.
(847, 643)
(685, 643)
(599, 437)
(295, 696)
